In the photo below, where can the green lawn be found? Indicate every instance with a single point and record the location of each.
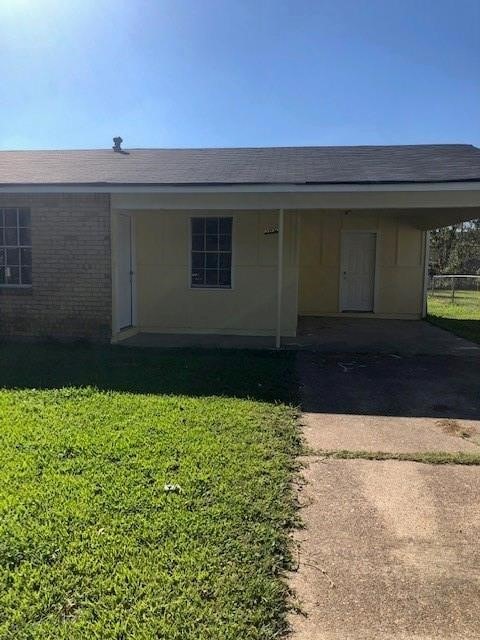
(92, 545)
(461, 316)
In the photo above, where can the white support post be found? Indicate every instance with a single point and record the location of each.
(278, 336)
(426, 258)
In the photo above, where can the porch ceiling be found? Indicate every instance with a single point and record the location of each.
(427, 219)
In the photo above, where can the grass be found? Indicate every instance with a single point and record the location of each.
(92, 545)
(461, 317)
(427, 457)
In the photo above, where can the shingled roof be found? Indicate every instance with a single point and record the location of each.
(275, 165)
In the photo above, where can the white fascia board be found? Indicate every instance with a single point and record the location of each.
(245, 188)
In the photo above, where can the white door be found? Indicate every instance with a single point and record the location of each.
(358, 271)
(124, 271)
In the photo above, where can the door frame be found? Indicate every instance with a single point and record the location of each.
(133, 262)
(376, 233)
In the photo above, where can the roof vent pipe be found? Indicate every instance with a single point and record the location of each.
(116, 144)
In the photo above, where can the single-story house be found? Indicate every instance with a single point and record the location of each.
(102, 244)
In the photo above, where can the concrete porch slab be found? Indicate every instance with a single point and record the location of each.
(376, 335)
(200, 341)
(328, 335)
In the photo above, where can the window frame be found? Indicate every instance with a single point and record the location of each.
(19, 247)
(207, 287)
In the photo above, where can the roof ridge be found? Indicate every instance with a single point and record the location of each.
(255, 148)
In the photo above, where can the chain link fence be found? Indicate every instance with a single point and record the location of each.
(455, 289)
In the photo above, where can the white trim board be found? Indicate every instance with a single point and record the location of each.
(133, 267)
(243, 188)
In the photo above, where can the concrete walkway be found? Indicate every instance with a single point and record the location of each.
(390, 550)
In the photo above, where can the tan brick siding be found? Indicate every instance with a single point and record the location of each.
(71, 294)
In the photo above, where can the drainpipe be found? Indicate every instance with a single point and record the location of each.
(426, 258)
(278, 335)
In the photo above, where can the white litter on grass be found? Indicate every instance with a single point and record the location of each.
(172, 488)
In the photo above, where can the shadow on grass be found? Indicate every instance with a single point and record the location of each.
(425, 386)
(468, 329)
(260, 375)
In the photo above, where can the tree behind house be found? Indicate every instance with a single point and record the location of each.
(456, 249)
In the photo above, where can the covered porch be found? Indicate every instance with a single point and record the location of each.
(356, 254)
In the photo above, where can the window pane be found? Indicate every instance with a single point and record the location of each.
(225, 243)
(225, 277)
(26, 275)
(212, 260)
(198, 277)
(198, 225)
(2, 257)
(10, 217)
(211, 243)
(13, 257)
(2, 236)
(25, 236)
(26, 257)
(211, 277)
(13, 275)
(198, 243)
(225, 260)
(198, 260)
(24, 217)
(2, 275)
(225, 226)
(211, 226)
(11, 237)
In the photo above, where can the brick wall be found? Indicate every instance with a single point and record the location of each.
(71, 293)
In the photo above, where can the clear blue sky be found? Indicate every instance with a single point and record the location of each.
(179, 73)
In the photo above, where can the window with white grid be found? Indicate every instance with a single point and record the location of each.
(15, 247)
(211, 257)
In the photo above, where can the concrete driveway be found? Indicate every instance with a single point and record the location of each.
(376, 335)
(390, 549)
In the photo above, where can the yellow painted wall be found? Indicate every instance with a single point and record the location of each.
(165, 301)
(399, 277)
